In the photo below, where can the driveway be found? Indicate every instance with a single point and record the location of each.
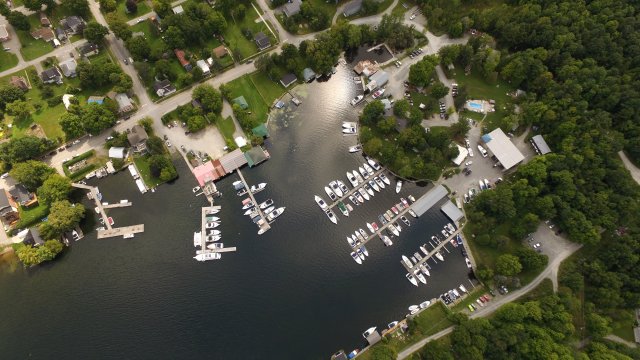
(635, 172)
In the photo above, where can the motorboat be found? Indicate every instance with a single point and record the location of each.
(378, 93)
(357, 99)
(238, 184)
(369, 189)
(382, 219)
(405, 220)
(212, 225)
(350, 241)
(425, 270)
(439, 256)
(414, 312)
(257, 188)
(361, 254)
(404, 202)
(268, 210)
(353, 354)
(462, 288)
(197, 239)
(275, 213)
(343, 209)
(454, 243)
(323, 205)
(412, 279)
(414, 260)
(386, 217)
(343, 187)
(358, 237)
(395, 210)
(266, 204)
(451, 228)
(195, 189)
(424, 250)
(392, 324)
(390, 214)
(353, 200)
(373, 163)
(356, 258)
(358, 177)
(371, 228)
(355, 148)
(386, 240)
(208, 256)
(455, 292)
(352, 179)
(398, 227)
(368, 169)
(384, 178)
(359, 195)
(413, 213)
(389, 233)
(331, 194)
(110, 220)
(407, 261)
(364, 193)
(421, 278)
(331, 216)
(411, 198)
(399, 206)
(369, 331)
(363, 233)
(434, 239)
(363, 172)
(364, 250)
(398, 186)
(417, 256)
(349, 131)
(249, 211)
(336, 189)
(414, 307)
(214, 232)
(379, 182)
(348, 124)
(213, 218)
(444, 233)
(425, 304)
(215, 246)
(375, 226)
(212, 238)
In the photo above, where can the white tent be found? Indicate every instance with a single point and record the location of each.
(463, 152)
(116, 153)
(241, 141)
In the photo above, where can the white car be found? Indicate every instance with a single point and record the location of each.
(168, 143)
(468, 163)
(4, 176)
(466, 141)
(471, 152)
(413, 16)
(139, 21)
(482, 151)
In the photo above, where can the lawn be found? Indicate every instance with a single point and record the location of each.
(143, 167)
(238, 44)
(143, 8)
(31, 216)
(259, 92)
(470, 298)
(7, 60)
(32, 48)
(226, 128)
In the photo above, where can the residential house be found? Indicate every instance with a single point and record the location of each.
(291, 8)
(178, 10)
(4, 34)
(20, 196)
(366, 68)
(95, 100)
(69, 67)
(138, 138)
(32, 237)
(44, 33)
(44, 20)
(124, 103)
(163, 88)
(51, 75)
(19, 82)
(8, 214)
(88, 49)
(72, 25)
(352, 8)
(60, 34)
(288, 79)
(262, 41)
(308, 74)
(220, 51)
(204, 67)
(182, 59)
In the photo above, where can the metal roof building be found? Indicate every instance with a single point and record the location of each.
(540, 145)
(432, 197)
(502, 148)
(452, 211)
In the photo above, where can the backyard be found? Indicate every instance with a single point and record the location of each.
(7, 60)
(226, 128)
(143, 8)
(31, 216)
(259, 92)
(244, 46)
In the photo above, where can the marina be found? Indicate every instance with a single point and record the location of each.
(433, 253)
(263, 224)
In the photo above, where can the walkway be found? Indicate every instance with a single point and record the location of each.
(635, 172)
(262, 223)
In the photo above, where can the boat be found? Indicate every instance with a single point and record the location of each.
(411, 198)
(413, 213)
(405, 220)
(451, 228)
(363, 172)
(352, 179)
(212, 238)
(110, 220)
(350, 241)
(356, 258)
(268, 210)
(323, 205)
(353, 200)
(373, 163)
(435, 239)
(331, 194)
(398, 186)
(384, 178)
(425, 270)
(425, 304)
(256, 189)
(195, 189)
(355, 148)
(389, 233)
(249, 211)
(369, 331)
(358, 195)
(349, 131)
(395, 210)
(469, 265)
(439, 256)
(369, 189)
(382, 219)
(361, 254)
(386, 217)
(371, 228)
(97, 210)
(398, 227)
(375, 226)
(454, 243)
(363, 233)
(386, 240)
(412, 279)
(414, 307)
(343, 187)
(248, 205)
(343, 209)
(413, 258)
(212, 225)
(266, 204)
(275, 213)
(462, 288)
(242, 192)
(424, 250)
(213, 218)
(331, 216)
(364, 193)
(215, 246)
(364, 250)
(358, 176)
(336, 189)
(417, 256)
(390, 214)
(238, 184)
(392, 324)
(407, 261)
(421, 278)
(358, 237)
(208, 256)
(404, 202)
(379, 182)
(357, 99)
(368, 169)
(444, 233)
(127, 236)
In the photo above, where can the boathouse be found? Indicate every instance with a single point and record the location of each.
(256, 155)
(432, 197)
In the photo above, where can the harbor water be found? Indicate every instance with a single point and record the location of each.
(292, 293)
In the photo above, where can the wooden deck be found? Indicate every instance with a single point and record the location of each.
(121, 231)
(436, 248)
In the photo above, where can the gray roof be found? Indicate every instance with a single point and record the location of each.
(288, 79)
(432, 197)
(60, 33)
(50, 73)
(137, 135)
(352, 8)
(87, 48)
(542, 146)
(123, 101)
(4, 199)
(308, 74)
(292, 8)
(161, 84)
(380, 77)
(452, 211)
(262, 40)
(502, 148)
(20, 194)
(72, 22)
(69, 67)
(34, 235)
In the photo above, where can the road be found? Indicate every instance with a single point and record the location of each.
(635, 172)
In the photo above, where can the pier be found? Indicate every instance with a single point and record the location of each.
(117, 205)
(353, 190)
(121, 231)
(263, 223)
(207, 210)
(431, 253)
(382, 227)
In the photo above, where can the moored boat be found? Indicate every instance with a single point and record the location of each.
(343, 209)
(395, 210)
(379, 182)
(356, 258)
(371, 228)
(343, 187)
(350, 241)
(353, 200)
(412, 279)
(375, 226)
(364, 250)
(369, 189)
(386, 217)
(386, 240)
(323, 205)
(275, 213)
(382, 219)
(352, 179)
(331, 216)
(425, 304)
(368, 169)
(421, 277)
(330, 192)
(361, 254)
(374, 185)
(358, 176)
(405, 220)
(398, 186)
(336, 189)
(407, 261)
(208, 256)
(414, 307)
(266, 204)
(404, 202)
(413, 213)
(357, 99)
(411, 198)
(215, 246)
(390, 214)
(268, 210)
(248, 205)
(373, 163)
(392, 324)
(249, 211)
(355, 148)
(425, 270)
(368, 332)
(384, 178)
(364, 193)
(257, 188)
(358, 195)
(424, 250)
(363, 233)
(363, 172)
(439, 256)
(394, 230)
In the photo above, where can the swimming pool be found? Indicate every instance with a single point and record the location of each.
(475, 105)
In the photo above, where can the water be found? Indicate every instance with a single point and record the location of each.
(293, 292)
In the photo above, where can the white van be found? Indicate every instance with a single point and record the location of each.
(482, 151)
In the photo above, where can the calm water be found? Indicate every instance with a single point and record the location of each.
(293, 292)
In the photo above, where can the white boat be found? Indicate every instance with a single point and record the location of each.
(359, 196)
(352, 179)
(417, 256)
(249, 211)
(323, 205)
(331, 216)
(351, 242)
(421, 278)
(331, 194)
(398, 186)
(379, 182)
(268, 210)
(462, 288)
(275, 213)
(355, 148)
(357, 99)
(212, 225)
(425, 270)
(414, 311)
(373, 163)
(394, 230)
(361, 254)
(212, 238)
(439, 256)
(412, 279)
(364, 250)
(369, 189)
(413, 258)
(378, 93)
(266, 204)
(411, 198)
(358, 237)
(451, 228)
(368, 169)
(424, 250)
(215, 246)
(212, 211)
(348, 124)
(369, 331)
(363, 172)
(208, 256)
(364, 193)
(363, 233)
(413, 213)
(405, 220)
(127, 236)
(374, 185)
(358, 176)
(386, 240)
(392, 324)
(371, 228)
(425, 304)
(414, 307)
(349, 131)
(444, 233)
(353, 200)
(356, 258)
(384, 178)
(343, 187)
(195, 189)
(336, 189)
(258, 188)
(407, 261)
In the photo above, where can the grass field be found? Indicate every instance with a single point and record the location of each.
(32, 48)
(226, 128)
(7, 60)
(236, 40)
(142, 164)
(259, 91)
(31, 216)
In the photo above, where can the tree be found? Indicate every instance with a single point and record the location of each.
(71, 125)
(9, 94)
(209, 98)
(421, 72)
(120, 29)
(530, 259)
(22, 149)
(162, 7)
(55, 188)
(132, 6)
(96, 118)
(173, 37)
(155, 146)
(383, 352)
(138, 47)
(373, 146)
(108, 5)
(439, 90)
(37, 5)
(196, 123)
(508, 265)
(597, 326)
(434, 350)
(19, 21)
(27, 254)
(31, 173)
(20, 109)
(76, 7)
(95, 32)
(401, 108)
(372, 113)
(63, 216)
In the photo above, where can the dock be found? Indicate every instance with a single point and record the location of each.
(353, 190)
(431, 253)
(263, 223)
(121, 231)
(117, 205)
(203, 222)
(382, 227)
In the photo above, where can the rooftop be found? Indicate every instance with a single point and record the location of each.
(541, 144)
(502, 148)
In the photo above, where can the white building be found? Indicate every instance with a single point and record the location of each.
(500, 146)
(204, 67)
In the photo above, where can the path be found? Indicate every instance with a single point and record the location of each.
(618, 339)
(227, 110)
(635, 172)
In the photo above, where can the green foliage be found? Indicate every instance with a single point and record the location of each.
(420, 73)
(209, 98)
(196, 123)
(31, 256)
(508, 265)
(383, 352)
(103, 72)
(55, 188)
(63, 217)
(22, 149)
(138, 47)
(108, 6)
(120, 29)
(31, 173)
(19, 21)
(76, 7)
(438, 90)
(95, 32)
(155, 146)
(10, 94)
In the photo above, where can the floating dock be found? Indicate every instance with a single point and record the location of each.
(207, 210)
(431, 253)
(121, 231)
(353, 190)
(263, 224)
(117, 205)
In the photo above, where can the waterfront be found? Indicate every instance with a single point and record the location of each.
(293, 292)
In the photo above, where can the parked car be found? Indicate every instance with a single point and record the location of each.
(413, 16)
(168, 143)
(109, 138)
(468, 163)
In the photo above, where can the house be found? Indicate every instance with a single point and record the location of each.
(124, 103)
(88, 49)
(8, 214)
(163, 88)
(288, 79)
(45, 34)
(378, 80)
(204, 67)
(4, 34)
(51, 75)
(366, 68)
(178, 10)
(44, 20)
(138, 138)
(20, 196)
(60, 34)
(291, 8)
(181, 58)
(352, 8)
(69, 67)
(95, 100)
(72, 25)
(31, 236)
(220, 51)
(308, 74)
(19, 82)
(262, 41)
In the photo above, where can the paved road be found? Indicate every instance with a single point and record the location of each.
(635, 172)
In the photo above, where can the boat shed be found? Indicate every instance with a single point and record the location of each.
(500, 146)
(540, 145)
(260, 131)
(255, 156)
(452, 211)
(308, 74)
(233, 160)
(432, 197)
